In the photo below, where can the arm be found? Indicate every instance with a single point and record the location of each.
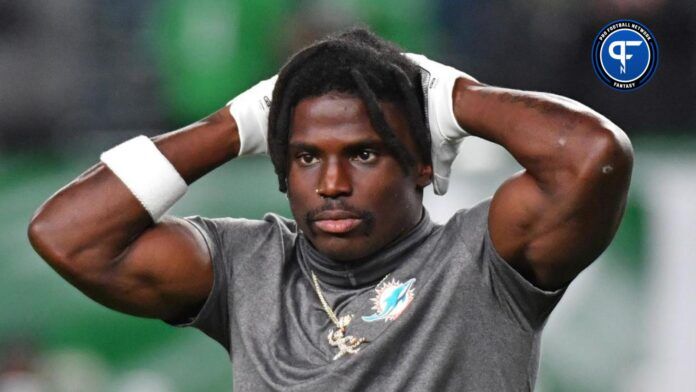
(555, 217)
(100, 238)
(97, 235)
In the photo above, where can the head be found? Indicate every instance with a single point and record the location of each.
(349, 143)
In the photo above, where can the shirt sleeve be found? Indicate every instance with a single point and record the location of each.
(213, 317)
(527, 303)
(523, 302)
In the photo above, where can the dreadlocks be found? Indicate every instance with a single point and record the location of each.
(355, 62)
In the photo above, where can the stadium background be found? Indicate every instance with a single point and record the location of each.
(78, 76)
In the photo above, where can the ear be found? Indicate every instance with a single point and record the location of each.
(424, 175)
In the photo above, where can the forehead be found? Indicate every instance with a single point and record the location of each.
(342, 115)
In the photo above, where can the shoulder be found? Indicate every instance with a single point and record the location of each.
(469, 225)
(460, 240)
(242, 233)
(229, 225)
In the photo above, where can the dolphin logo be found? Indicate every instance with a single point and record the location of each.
(391, 300)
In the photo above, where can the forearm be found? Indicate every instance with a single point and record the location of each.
(201, 147)
(552, 137)
(95, 217)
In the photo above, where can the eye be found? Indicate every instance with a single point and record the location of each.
(365, 156)
(307, 159)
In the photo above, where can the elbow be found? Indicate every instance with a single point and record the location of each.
(43, 239)
(78, 266)
(617, 143)
(607, 153)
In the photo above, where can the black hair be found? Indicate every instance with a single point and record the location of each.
(356, 62)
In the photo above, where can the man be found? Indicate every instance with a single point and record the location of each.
(361, 291)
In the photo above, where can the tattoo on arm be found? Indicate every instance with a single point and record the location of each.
(549, 108)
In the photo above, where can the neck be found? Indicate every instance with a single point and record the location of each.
(366, 271)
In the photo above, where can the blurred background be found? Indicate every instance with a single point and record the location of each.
(78, 76)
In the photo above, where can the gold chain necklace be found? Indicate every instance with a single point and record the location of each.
(345, 344)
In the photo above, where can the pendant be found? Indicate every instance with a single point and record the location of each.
(345, 344)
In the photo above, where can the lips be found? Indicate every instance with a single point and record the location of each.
(336, 221)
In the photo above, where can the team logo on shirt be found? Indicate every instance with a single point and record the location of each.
(391, 300)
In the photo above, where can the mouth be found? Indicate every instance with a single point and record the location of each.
(336, 221)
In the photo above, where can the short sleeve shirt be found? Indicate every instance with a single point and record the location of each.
(451, 316)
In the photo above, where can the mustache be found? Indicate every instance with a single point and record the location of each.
(367, 217)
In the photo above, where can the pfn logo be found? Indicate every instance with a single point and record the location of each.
(624, 55)
(621, 55)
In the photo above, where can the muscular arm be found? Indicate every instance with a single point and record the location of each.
(97, 235)
(555, 217)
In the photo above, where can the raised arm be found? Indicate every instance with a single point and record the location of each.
(555, 217)
(99, 237)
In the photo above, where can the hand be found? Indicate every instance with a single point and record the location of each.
(445, 133)
(250, 111)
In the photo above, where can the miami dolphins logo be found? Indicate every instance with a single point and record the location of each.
(391, 300)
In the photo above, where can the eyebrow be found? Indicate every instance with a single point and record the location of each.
(302, 147)
(360, 144)
(366, 144)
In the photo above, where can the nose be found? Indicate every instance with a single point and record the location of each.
(335, 180)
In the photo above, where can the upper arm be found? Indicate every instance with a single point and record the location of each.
(166, 273)
(97, 235)
(551, 226)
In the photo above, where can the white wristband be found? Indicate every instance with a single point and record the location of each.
(147, 173)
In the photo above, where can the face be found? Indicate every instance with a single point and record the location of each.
(348, 193)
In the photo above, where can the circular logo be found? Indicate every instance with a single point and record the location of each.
(624, 54)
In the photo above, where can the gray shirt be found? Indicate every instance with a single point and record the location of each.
(450, 315)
